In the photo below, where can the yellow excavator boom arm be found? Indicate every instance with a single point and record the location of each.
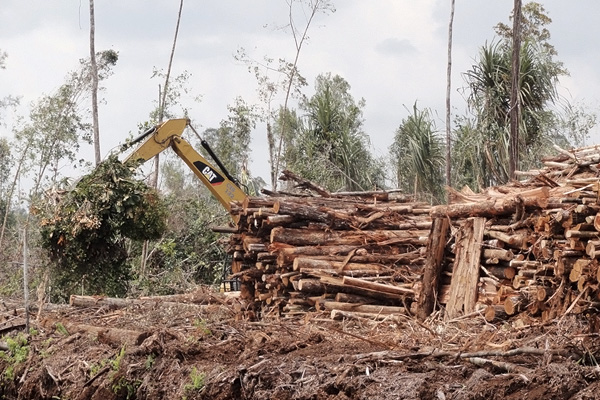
(168, 134)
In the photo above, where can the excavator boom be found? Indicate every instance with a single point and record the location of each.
(168, 134)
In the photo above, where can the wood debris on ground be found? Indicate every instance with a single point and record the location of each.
(528, 249)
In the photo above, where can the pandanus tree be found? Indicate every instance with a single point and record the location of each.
(481, 154)
(418, 155)
(329, 145)
(489, 84)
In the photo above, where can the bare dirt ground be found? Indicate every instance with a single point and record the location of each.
(157, 350)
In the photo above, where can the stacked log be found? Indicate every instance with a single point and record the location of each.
(539, 241)
(297, 251)
(531, 246)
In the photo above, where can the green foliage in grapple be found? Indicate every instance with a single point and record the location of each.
(84, 233)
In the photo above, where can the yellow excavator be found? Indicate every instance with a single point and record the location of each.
(168, 134)
(221, 184)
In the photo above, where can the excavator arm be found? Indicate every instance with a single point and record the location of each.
(168, 134)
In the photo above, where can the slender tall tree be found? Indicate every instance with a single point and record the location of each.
(94, 76)
(165, 89)
(161, 111)
(448, 88)
(514, 92)
(485, 142)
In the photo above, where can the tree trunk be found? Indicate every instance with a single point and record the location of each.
(299, 41)
(313, 237)
(162, 106)
(161, 112)
(94, 73)
(448, 88)
(116, 337)
(115, 302)
(505, 205)
(8, 200)
(311, 263)
(465, 276)
(375, 309)
(433, 267)
(513, 162)
(377, 287)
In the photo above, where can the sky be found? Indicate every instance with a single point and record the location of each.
(393, 53)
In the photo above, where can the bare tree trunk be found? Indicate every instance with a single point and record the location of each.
(448, 88)
(25, 278)
(271, 143)
(433, 266)
(161, 113)
(9, 198)
(94, 73)
(162, 106)
(513, 162)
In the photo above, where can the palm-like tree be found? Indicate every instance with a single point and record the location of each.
(490, 81)
(330, 146)
(418, 154)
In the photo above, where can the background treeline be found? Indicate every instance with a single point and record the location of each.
(314, 129)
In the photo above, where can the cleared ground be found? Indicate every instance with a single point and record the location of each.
(210, 349)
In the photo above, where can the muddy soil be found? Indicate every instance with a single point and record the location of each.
(182, 351)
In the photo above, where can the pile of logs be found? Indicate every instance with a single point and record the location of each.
(292, 250)
(531, 246)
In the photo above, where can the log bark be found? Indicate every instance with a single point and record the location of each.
(564, 265)
(377, 287)
(465, 276)
(433, 267)
(116, 337)
(311, 263)
(366, 308)
(286, 253)
(367, 290)
(339, 315)
(495, 313)
(581, 234)
(517, 241)
(314, 286)
(537, 198)
(501, 272)
(500, 254)
(98, 301)
(352, 298)
(287, 175)
(313, 237)
(307, 212)
(278, 220)
(225, 229)
(15, 323)
(413, 258)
